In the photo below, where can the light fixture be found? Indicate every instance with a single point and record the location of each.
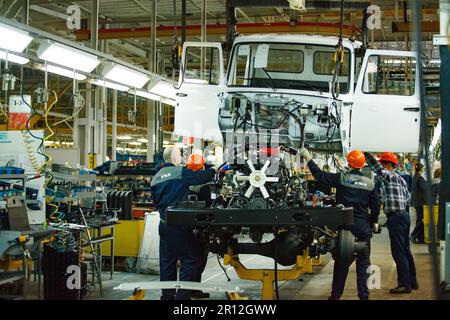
(143, 140)
(126, 76)
(67, 56)
(134, 143)
(165, 142)
(196, 81)
(63, 72)
(13, 39)
(146, 94)
(13, 58)
(124, 137)
(110, 85)
(164, 89)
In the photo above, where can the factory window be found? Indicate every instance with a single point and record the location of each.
(202, 65)
(390, 75)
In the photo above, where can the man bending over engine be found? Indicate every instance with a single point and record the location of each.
(357, 191)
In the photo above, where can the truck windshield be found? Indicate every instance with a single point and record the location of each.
(286, 66)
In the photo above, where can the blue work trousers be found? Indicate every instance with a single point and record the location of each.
(398, 226)
(177, 243)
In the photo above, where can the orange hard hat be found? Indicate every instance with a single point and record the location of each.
(356, 159)
(195, 162)
(389, 157)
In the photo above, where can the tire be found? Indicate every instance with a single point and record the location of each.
(346, 249)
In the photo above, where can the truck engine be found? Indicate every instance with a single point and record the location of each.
(259, 191)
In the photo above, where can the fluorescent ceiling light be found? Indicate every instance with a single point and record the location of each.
(148, 95)
(134, 143)
(126, 76)
(170, 102)
(196, 81)
(143, 140)
(110, 85)
(63, 72)
(124, 137)
(67, 56)
(164, 89)
(13, 39)
(13, 58)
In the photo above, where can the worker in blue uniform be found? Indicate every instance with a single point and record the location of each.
(359, 192)
(169, 187)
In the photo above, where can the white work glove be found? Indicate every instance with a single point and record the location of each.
(305, 154)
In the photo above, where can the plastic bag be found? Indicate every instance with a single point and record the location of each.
(148, 260)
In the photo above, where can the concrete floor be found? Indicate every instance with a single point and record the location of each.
(308, 287)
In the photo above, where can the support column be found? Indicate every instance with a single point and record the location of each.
(444, 196)
(87, 121)
(114, 126)
(25, 11)
(204, 20)
(153, 107)
(94, 24)
(94, 45)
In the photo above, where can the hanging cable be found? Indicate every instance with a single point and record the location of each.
(339, 59)
(52, 133)
(176, 51)
(277, 293)
(80, 107)
(223, 268)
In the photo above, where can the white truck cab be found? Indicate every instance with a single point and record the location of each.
(270, 76)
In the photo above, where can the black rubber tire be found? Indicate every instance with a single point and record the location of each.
(346, 250)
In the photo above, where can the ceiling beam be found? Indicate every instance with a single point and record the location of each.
(220, 29)
(140, 5)
(242, 13)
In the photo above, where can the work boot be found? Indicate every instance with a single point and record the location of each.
(332, 298)
(415, 286)
(400, 290)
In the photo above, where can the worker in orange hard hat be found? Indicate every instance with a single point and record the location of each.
(169, 187)
(195, 162)
(354, 190)
(356, 159)
(396, 198)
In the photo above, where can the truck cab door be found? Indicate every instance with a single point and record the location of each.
(386, 105)
(198, 95)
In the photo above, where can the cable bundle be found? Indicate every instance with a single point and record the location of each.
(64, 242)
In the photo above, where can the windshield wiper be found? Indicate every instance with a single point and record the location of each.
(274, 84)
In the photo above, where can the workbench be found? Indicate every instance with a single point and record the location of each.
(10, 247)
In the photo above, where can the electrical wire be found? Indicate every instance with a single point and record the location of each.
(277, 293)
(223, 268)
(40, 149)
(49, 158)
(74, 114)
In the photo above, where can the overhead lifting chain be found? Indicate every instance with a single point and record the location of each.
(339, 58)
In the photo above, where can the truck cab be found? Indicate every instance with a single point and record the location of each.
(282, 85)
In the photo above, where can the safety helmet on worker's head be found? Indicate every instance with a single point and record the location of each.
(389, 157)
(195, 162)
(356, 159)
